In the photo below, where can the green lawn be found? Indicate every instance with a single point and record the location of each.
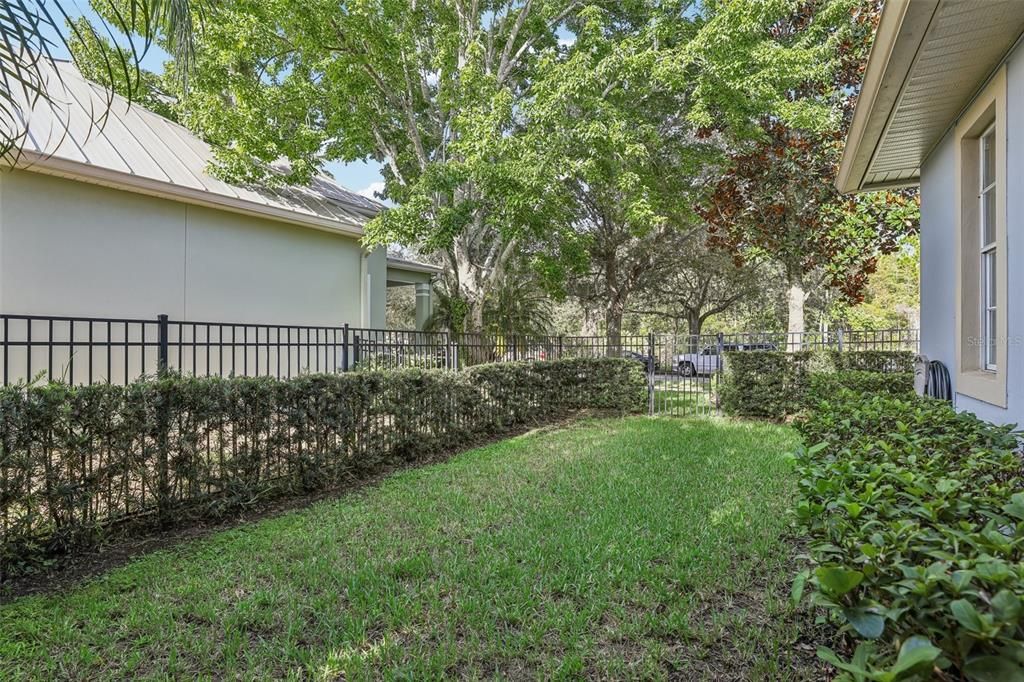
(642, 548)
(683, 396)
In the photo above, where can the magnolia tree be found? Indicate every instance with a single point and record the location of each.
(778, 202)
(783, 83)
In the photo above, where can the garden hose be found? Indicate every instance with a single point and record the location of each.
(938, 385)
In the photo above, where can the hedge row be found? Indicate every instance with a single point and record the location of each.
(825, 385)
(73, 459)
(917, 526)
(774, 384)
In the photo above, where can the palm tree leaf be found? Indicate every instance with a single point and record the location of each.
(32, 30)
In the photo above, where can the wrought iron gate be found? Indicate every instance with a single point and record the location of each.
(684, 374)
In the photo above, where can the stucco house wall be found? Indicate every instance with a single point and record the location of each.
(377, 289)
(73, 248)
(938, 256)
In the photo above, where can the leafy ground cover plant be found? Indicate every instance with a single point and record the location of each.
(917, 523)
(826, 385)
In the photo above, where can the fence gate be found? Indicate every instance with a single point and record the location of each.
(684, 374)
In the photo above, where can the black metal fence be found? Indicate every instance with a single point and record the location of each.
(85, 350)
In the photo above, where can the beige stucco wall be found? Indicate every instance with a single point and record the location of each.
(262, 271)
(377, 266)
(71, 248)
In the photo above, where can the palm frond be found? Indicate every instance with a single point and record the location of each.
(33, 31)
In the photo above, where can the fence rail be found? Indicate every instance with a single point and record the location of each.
(86, 350)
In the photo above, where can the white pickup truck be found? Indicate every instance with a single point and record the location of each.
(708, 362)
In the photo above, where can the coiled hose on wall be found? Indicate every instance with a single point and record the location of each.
(938, 385)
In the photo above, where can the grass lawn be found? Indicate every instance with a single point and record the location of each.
(683, 396)
(643, 548)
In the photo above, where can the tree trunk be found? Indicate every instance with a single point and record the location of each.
(694, 323)
(480, 347)
(795, 297)
(476, 313)
(613, 327)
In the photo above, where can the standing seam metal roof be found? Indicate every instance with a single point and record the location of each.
(130, 147)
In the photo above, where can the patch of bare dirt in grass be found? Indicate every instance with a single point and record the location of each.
(751, 634)
(763, 650)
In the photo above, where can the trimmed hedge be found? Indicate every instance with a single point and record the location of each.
(917, 526)
(826, 385)
(73, 459)
(775, 384)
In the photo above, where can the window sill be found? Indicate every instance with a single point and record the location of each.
(984, 385)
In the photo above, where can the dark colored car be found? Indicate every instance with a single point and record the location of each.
(645, 360)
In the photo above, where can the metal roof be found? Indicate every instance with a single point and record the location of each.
(929, 60)
(129, 147)
(398, 263)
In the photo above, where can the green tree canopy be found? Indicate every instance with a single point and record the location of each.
(786, 121)
(438, 91)
(616, 111)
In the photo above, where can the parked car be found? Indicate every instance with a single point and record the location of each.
(641, 358)
(525, 354)
(708, 362)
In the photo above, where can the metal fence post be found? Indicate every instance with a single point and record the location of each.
(447, 350)
(344, 348)
(356, 350)
(560, 346)
(162, 343)
(720, 338)
(650, 373)
(163, 485)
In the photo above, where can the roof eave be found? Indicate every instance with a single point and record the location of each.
(413, 266)
(57, 166)
(901, 31)
(893, 184)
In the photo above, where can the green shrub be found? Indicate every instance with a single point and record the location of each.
(775, 384)
(917, 526)
(761, 384)
(874, 360)
(824, 386)
(75, 458)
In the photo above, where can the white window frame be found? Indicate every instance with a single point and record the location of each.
(981, 343)
(988, 253)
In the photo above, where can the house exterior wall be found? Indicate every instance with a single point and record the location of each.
(939, 264)
(938, 256)
(377, 264)
(73, 248)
